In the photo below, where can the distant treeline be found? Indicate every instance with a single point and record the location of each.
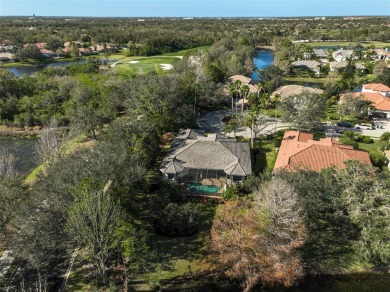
(161, 35)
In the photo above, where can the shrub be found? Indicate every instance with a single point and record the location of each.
(171, 190)
(349, 135)
(334, 116)
(367, 140)
(177, 220)
(347, 141)
(378, 159)
(359, 138)
(231, 193)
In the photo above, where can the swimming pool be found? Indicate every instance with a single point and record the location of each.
(194, 188)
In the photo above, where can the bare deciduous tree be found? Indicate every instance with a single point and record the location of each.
(51, 144)
(257, 240)
(93, 219)
(7, 164)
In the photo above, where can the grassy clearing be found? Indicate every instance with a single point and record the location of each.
(174, 257)
(346, 44)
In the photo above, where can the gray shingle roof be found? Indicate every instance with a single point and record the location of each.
(306, 64)
(192, 151)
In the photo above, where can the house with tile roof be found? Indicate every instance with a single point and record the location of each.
(340, 66)
(342, 55)
(377, 87)
(288, 90)
(382, 54)
(299, 150)
(306, 65)
(380, 103)
(211, 159)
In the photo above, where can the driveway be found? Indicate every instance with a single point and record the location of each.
(211, 122)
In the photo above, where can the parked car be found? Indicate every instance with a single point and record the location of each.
(364, 126)
(344, 125)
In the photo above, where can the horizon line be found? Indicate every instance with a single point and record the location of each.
(184, 16)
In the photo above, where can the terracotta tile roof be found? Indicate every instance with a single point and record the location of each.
(39, 45)
(376, 86)
(45, 51)
(380, 102)
(288, 90)
(299, 150)
(243, 79)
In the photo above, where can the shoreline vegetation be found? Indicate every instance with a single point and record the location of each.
(8, 131)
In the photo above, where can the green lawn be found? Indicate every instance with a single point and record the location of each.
(275, 113)
(372, 148)
(144, 65)
(265, 158)
(306, 79)
(330, 78)
(186, 52)
(344, 44)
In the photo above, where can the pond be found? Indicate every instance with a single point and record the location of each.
(262, 60)
(23, 149)
(30, 70)
(265, 58)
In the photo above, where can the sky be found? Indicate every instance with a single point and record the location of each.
(190, 8)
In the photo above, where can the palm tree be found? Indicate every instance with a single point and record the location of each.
(244, 91)
(234, 88)
(385, 137)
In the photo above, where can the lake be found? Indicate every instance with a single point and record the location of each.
(30, 70)
(23, 149)
(262, 60)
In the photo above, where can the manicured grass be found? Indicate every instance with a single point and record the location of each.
(306, 79)
(330, 78)
(372, 148)
(186, 52)
(345, 44)
(265, 156)
(274, 113)
(145, 65)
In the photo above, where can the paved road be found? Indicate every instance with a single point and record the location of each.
(211, 122)
(376, 133)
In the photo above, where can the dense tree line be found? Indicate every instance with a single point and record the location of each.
(156, 35)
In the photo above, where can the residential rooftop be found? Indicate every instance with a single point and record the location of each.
(300, 150)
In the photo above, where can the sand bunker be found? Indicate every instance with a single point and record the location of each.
(133, 62)
(166, 66)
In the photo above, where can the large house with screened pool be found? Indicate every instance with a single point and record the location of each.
(206, 159)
